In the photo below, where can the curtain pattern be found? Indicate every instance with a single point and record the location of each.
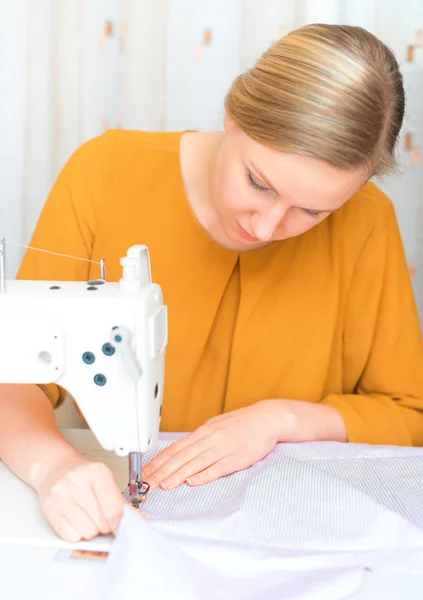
(75, 69)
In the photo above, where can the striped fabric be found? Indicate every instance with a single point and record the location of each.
(305, 523)
(304, 498)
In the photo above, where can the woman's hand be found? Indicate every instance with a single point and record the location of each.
(80, 499)
(230, 442)
(236, 440)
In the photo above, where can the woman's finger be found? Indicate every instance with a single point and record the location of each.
(88, 502)
(65, 530)
(194, 466)
(92, 488)
(109, 498)
(79, 520)
(223, 467)
(58, 521)
(166, 463)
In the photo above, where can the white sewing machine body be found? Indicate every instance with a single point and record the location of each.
(62, 332)
(102, 342)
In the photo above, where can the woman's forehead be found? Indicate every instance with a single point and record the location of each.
(302, 179)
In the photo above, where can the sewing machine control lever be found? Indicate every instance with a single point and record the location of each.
(120, 340)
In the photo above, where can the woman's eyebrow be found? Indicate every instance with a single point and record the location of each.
(260, 174)
(272, 187)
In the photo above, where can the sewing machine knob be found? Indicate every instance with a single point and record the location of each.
(130, 280)
(108, 349)
(100, 379)
(88, 358)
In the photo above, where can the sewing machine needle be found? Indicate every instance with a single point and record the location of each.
(135, 478)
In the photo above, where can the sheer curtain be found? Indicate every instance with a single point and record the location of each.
(75, 69)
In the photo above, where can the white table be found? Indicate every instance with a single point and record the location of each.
(43, 572)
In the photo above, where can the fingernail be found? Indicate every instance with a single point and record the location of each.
(167, 483)
(72, 537)
(151, 482)
(189, 481)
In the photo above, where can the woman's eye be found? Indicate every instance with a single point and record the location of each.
(311, 213)
(251, 181)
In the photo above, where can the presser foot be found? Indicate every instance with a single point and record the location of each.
(143, 489)
(136, 493)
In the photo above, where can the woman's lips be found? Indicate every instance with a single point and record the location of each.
(245, 235)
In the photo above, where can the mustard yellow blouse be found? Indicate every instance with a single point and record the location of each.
(328, 316)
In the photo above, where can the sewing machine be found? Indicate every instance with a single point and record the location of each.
(102, 342)
(105, 344)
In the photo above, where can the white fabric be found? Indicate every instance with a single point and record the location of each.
(306, 522)
(157, 567)
(156, 556)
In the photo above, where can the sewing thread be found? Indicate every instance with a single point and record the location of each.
(96, 262)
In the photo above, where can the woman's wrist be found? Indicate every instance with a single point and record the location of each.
(301, 421)
(53, 451)
(30, 442)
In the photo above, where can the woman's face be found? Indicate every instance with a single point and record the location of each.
(260, 195)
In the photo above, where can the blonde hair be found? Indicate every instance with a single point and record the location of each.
(330, 92)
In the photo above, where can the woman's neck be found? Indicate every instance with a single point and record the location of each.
(198, 155)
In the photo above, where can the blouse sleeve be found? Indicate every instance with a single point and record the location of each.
(382, 340)
(67, 223)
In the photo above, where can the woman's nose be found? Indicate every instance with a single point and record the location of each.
(265, 225)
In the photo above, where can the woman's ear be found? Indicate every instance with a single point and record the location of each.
(227, 123)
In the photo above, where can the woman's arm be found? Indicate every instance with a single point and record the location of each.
(30, 442)
(382, 365)
(386, 407)
(79, 498)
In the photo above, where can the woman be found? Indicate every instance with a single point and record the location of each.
(291, 315)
